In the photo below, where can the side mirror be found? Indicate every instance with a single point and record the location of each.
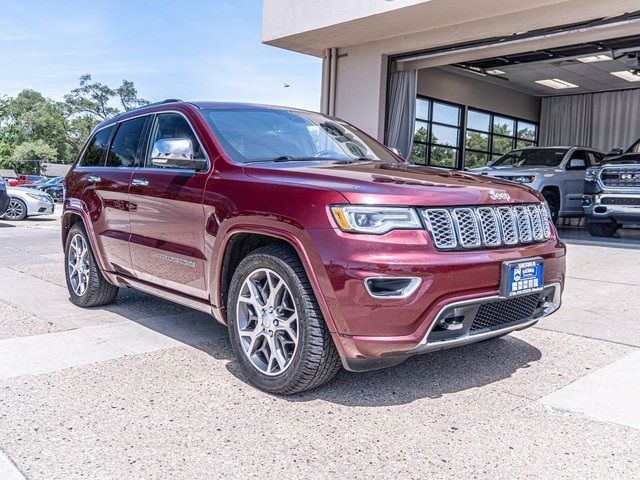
(577, 164)
(615, 152)
(175, 153)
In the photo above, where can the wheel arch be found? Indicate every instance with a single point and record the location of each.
(73, 216)
(555, 189)
(242, 241)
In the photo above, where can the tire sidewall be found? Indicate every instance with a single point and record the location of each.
(556, 200)
(73, 231)
(246, 267)
(24, 208)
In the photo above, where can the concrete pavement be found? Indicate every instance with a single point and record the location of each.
(149, 389)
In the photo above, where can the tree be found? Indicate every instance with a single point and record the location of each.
(92, 102)
(26, 156)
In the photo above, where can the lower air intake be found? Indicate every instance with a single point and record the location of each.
(502, 312)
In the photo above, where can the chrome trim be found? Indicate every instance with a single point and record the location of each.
(424, 347)
(407, 291)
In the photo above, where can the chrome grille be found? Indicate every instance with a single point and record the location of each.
(536, 222)
(524, 224)
(620, 177)
(508, 225)
(440, 224)
(489, 226)
(466, 225)
(478, 227)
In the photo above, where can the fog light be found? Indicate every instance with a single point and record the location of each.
(452, 323)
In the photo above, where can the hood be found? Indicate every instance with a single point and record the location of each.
(626, 159)
(513, 171)
(395, 183)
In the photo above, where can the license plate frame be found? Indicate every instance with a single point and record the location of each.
(521, 277)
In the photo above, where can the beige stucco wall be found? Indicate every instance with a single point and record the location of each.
(443, 85)
(366, 32)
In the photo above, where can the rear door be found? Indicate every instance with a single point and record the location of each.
(104, 174)
(167, 215)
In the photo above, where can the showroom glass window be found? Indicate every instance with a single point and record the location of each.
(489, 136)
(436, 139)
(125, 143)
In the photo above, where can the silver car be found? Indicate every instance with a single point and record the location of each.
(557, 172)
(26, 202)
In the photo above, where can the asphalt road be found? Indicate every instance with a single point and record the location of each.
(149, 389)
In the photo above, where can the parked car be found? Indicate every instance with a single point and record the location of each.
(25, 203)
(557, 172)
(25, 180)
(56, 192)
(612, 194)
(316, 245)
(4, 196)
(43, 183)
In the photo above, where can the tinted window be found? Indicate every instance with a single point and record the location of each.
(95, 153)
(539, 157)
(173, 125)
(124, 146)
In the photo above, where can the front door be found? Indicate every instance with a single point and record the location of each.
(167, 216)
(573, 183)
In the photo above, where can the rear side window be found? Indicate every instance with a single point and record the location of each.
(173, 125)
(124, 147)
(95, 153)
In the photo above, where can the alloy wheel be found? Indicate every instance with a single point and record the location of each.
(14, 211)
(267, 322)
(78, 264)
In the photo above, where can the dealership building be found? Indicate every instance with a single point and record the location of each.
(457, 83)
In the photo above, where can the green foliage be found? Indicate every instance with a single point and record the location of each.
(34, 126)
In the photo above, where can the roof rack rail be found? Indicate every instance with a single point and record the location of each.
(168, 100)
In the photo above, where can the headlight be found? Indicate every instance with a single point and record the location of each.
(368, 219)
(40, 197)
(591, 175)
(523, 178)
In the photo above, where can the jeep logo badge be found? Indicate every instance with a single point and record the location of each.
(500, 196)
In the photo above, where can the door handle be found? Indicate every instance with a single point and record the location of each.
(140, 182)
(93, 179)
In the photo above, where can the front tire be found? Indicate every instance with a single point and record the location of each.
(553, 200)
(276, 328)
(598, 229)
(85, 282)
(17, 210)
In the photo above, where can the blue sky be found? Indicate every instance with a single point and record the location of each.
(194, 50)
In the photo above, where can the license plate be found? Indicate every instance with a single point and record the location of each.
(520, 277)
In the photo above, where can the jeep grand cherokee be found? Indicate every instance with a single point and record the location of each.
(316, 245)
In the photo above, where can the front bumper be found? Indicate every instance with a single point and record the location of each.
(370, 330)
(38, 207)
(621, 207)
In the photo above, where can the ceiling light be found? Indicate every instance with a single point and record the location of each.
(495, 72)
(556, 83)
(627, 75)
(601, 57)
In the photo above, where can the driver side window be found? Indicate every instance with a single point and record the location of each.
(173, 125)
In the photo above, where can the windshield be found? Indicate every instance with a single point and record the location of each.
(262, 135)
(539, 157)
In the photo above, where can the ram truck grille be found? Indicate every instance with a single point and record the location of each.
(464, 228)
(621, 177)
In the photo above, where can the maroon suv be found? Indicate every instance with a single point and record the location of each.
(316, 245)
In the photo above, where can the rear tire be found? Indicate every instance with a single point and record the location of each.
(279, 355)
(17, 210)
(598, 229)
(85, 282)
